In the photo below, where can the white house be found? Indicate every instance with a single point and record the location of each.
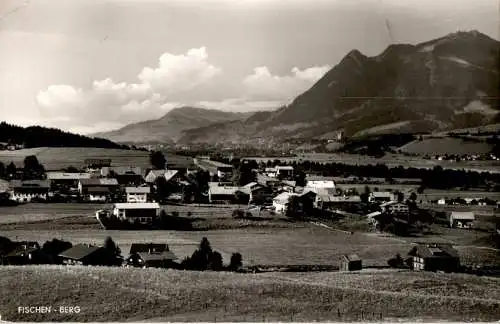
(98, 194)
(284, 171)
(442, 201)
(327, 184)
(270, 172)
(461, 219)
(25, 191)
(137, 194)
(281, 201)
(381, 196)
(143, 213)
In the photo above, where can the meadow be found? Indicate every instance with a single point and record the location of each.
(391, 160)
(121, 294)
(57, 158)
(446, 145)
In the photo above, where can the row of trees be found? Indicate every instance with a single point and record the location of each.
(32, 169)
(205, 258)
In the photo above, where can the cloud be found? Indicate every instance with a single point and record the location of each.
(107, 102)
(239, 105)
(263, 85)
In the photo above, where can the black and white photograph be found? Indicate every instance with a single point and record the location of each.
(249, 161)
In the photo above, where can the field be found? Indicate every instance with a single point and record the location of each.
(391, 160)
(156, 295)
(446, 145)
(56, 158)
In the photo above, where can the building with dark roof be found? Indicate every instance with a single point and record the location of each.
(435, 257)
(151, 255)
(350, 262)
(86, 254)
(26, 191)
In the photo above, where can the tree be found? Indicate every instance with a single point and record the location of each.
(55, 247)
(161, 189)
(236, 261)
(400, 196)
(300, 178)
(157, 160)
(113, 250)
(2, 171)
(215, 262)
(245, 174)
(32, 168)
(413, 196)
(71, 169)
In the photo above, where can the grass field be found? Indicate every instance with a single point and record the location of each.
(154, 295)
(56, 158)
(446, 145)
(432, 194)
(391, 160)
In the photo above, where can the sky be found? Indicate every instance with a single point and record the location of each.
(95, 65)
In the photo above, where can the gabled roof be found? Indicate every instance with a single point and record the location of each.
(462, 215)
(79, 251)
(146, 247)
(99, 182)
(138, 190)
(18, 184)
(284, 167)
(429, 250)
(384, 194)
(221, 190)
(351, 257)
(151, 205)
(250, 184)
(169, 174)
(284, 196)
(20, 250)
(290, 183)
(166, 255)
(98, 190)
(67, 175)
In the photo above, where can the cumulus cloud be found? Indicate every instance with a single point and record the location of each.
(107, 102)
(263, 85)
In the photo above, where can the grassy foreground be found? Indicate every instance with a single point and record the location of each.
(120, 294)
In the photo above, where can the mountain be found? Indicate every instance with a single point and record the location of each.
(37, 136)
(446, 83)
(170, 127)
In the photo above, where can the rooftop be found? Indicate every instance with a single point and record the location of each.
(136, 206)
(79, 251)
(138, 190)
(99, 182)
(67, 175)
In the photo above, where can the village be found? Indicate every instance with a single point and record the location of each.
(133, 198)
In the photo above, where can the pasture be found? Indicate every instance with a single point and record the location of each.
(57, 158)
(446, 145)
(391, 160)
(158, 295)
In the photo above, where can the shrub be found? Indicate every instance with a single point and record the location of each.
(236, 261)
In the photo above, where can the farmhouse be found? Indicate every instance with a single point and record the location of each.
(150, 255)
(284, 172)
(259, 194)
(441, 201)
(137, 194)
(351, 262)
(66, 181)
(98, 194)
(434, 257)
(281, 201)
(24, 253)
(327, 201)
(85, 184)
(228, 194)
(270, 172)
(320, 184)
(111, 172)
(85, 254)
(461, 219)
(381, 196)
(26, 191)
(393, 207)
(144, 213)
(221, 170)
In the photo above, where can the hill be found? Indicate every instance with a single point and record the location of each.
(158, 295)
(170, 127)
(37, 136)
(443, 84)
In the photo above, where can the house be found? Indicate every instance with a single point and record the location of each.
(381, 196)
(137, 194)
(284, 171)
(259, 194)
(24, 253)
(143, 213)
(393, 207)
(441, 201)
(320, 184)
(223, 171)
(111, 172)
(351, 262)
(153, 175)
(372, 217)
(151, 255)
(270, 172)
(66, 181)
(85, 254)
(85, 184)
(98, 194)
(94, 166)
(281, 201)
(328, 201)
(28, 190)
(228, 195)
(461, 219)
(434, 257)
(267, 181)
